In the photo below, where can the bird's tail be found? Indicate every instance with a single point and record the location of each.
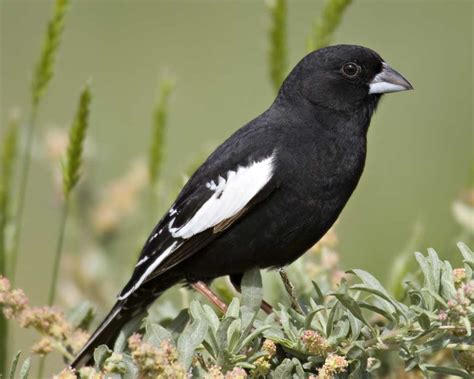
(106, 333)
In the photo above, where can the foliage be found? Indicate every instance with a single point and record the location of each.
(342, 333)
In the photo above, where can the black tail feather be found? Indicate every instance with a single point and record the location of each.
(105, 334)
(122, 312)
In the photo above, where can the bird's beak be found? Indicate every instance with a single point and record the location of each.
(388, 80)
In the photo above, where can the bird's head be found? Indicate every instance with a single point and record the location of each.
(344, 77)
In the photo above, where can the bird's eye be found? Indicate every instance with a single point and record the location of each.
(351, 70)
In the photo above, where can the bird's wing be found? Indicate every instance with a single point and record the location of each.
(214, 198)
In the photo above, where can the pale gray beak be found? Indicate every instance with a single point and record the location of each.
(389, 80)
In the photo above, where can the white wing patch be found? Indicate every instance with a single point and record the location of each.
(230, 196)
(150, 269)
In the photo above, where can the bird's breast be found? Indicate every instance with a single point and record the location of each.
(326, 167)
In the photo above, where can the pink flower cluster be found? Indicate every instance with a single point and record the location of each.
(57, 333)
(459, 306)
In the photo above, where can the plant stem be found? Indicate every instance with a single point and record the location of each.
(41, 367)
(11, 267)
(59, 249)
(24, 174)
(56, 265)
(3, 345)
(59, 348)
(3, 264)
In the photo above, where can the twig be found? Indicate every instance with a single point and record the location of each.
(290, 289)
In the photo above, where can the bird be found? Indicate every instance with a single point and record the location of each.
(270, 191)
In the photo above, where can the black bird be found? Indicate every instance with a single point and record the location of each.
(271, 190)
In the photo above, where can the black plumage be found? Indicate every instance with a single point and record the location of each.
(271, 190)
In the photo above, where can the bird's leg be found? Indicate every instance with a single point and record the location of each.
(204, 290)
(236, 280)
(267, 308)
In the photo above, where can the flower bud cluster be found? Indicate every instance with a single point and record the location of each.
(314, 343)
(153, 362)
(215, 372)
(334, 364)
(461, 305)
(57, 333)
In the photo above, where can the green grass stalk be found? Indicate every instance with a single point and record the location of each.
(7, 162)
(43, 74)
(327, 24)
(160, 117)
(23, 183)
(71, 170)
(277, 55)
(71, 173)
(155, 159)
(58, 253)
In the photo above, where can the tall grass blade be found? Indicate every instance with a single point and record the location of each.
(327, 24)
(43, 74)
(77, 135)
(45, 66)
(71, 175)
(14, 365)
(160, 117)
(25, 369)
(7, 161)
(277, 55)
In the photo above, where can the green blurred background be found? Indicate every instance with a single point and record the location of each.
(420, 143)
